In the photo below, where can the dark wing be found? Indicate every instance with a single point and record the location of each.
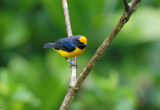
(65, 44)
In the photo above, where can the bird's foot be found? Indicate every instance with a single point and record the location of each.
(73, 65)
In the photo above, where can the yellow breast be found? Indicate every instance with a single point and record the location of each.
(75, 53)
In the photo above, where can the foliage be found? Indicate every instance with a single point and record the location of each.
(126, 78)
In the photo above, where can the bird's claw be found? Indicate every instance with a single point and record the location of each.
(71, 63)
(74, 65)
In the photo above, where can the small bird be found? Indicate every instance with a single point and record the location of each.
(69, 47)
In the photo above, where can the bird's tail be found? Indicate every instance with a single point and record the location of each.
(49, 45)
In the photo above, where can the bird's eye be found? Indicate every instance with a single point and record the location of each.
(83, 39)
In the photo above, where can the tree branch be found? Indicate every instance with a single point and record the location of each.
(69, 96)
(67, 19)
(126, 7)
(101, 50)
(69, 32)
(72, 91)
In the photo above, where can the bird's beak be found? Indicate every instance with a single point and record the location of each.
(85, 44)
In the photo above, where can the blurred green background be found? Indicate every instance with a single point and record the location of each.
(32, 78)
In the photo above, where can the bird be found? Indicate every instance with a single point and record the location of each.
(69, 47)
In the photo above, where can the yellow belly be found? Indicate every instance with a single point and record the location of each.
(75, 53)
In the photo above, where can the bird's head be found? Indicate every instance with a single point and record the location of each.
(80, 41)
(83, 40)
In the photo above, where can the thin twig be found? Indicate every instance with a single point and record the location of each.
(69, 32)
(69, 96)
(134, 3)
(126, 7)
(67, 19)
(72, 91)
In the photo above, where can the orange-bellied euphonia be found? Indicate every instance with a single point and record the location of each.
(69, 47)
